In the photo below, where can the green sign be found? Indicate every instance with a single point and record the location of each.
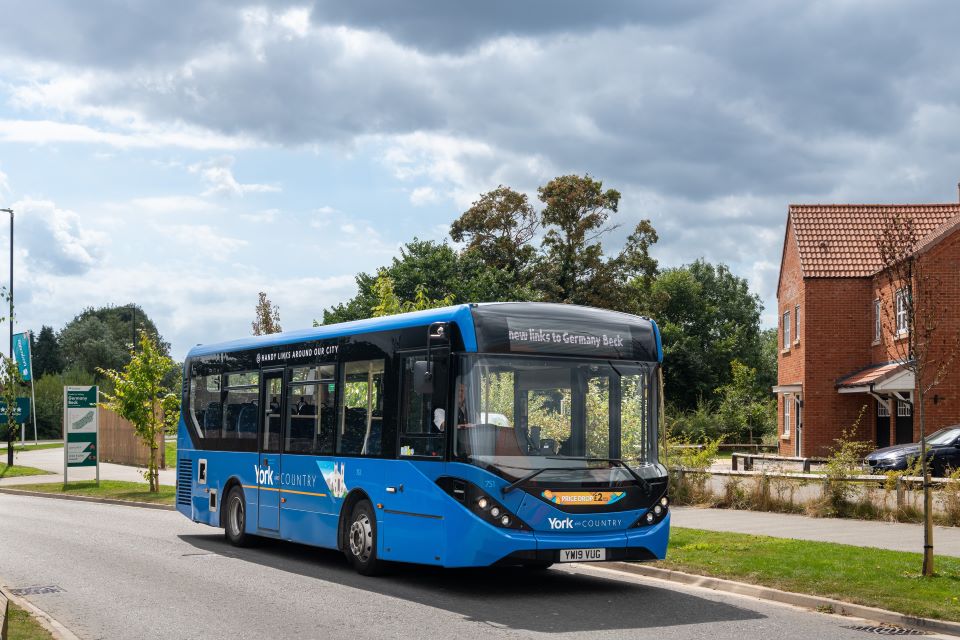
(21, 414)
(80, 426)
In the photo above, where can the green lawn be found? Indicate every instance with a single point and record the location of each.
(23, 626)
(873, 577)
(34, 447)
(17, 470)
(115, 489)
(171, 453)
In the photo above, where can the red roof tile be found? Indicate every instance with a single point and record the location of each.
(839, 240)
(872, 373)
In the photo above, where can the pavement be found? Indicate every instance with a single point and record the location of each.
(52, 460)
(124, 572)
(897, 536)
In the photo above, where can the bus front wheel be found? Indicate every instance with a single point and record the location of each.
(361, 547)
(235, 526)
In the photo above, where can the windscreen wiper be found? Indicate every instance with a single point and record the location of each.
(643, 482)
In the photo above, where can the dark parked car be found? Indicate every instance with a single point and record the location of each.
(943, 452)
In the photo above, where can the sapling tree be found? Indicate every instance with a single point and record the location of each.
(10, 380)
(268, 317)
(917, 334)
(140, 397)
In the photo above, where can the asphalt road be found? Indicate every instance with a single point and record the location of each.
(127, 572)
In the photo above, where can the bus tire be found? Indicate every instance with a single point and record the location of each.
(235, 520)
(361, 547)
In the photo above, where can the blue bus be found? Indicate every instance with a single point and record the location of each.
(471, 435)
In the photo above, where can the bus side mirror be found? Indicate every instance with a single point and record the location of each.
(422, 377)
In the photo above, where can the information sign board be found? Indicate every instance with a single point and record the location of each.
(80, 433)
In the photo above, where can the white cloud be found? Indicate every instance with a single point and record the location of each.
(55, 239)
(50, 131)
(423, 195)
(4, 183)
(263, 217)
(203, 239)
(218, 175)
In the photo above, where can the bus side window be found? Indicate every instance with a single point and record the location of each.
(205, 406)
(361, 408)
(310, 396)
(423, 417)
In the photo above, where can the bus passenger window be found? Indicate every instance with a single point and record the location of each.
(423, 417)
(205, 405)
(361, 408)
(310, 398)
(240, 406)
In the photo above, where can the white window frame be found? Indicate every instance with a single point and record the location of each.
(883, 410)
(904, 410)
(796, 322)
(877, 326)
(902, 321)
(786, 329)
(787, 402)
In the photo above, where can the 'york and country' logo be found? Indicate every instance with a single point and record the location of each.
(264, 476)
(592, 523)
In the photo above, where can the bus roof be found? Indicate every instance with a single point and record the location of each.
(486, 326)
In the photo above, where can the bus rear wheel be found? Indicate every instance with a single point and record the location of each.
(361, 547)
(235, 525)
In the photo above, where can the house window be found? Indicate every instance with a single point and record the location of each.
(883, 410)
(876, 321)
(903, 409)
(786, 329)
(902, 311)
(787, 402)
(796, 314)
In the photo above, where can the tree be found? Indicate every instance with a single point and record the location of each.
(267, 317)
(575, 216)
(708, 318)
(499, 226)
(440, 273)
(140, 397)
(46, 352)
(104, 338)
(916, 307)
(389, 304)
(10, 381)
(746, 408)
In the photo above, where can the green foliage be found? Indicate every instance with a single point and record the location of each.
(499, 227)
(46, 353)
(267, 317)
(10, 385)
(708, 318)
(843, 463)
(697, 424)
(389, 304)
(140, 397)
(49, 399)
(103, 338)
(689, 463)
(746, 410)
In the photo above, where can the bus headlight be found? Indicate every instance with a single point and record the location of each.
(664, 501)
(658, 509)
(656, 513)
(481, 504)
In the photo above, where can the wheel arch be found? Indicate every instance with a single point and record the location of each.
(232, 481)
(352, 498)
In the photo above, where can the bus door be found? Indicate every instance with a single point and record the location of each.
(271, 435)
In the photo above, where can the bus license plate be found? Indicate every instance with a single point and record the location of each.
(583, 555)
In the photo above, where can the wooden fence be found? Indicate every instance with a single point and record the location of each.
(119, 442)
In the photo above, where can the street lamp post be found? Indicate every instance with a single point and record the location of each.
(10, 430)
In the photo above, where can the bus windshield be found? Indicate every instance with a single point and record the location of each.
(566, 417)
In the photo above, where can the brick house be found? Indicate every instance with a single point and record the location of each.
(836, 361)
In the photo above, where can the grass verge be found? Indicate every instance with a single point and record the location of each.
(171, 453)
(24, 626)
(873, 577)
(18, 470)
(113, 489)
(34, 447)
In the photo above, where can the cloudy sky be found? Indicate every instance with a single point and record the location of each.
(188, 154)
